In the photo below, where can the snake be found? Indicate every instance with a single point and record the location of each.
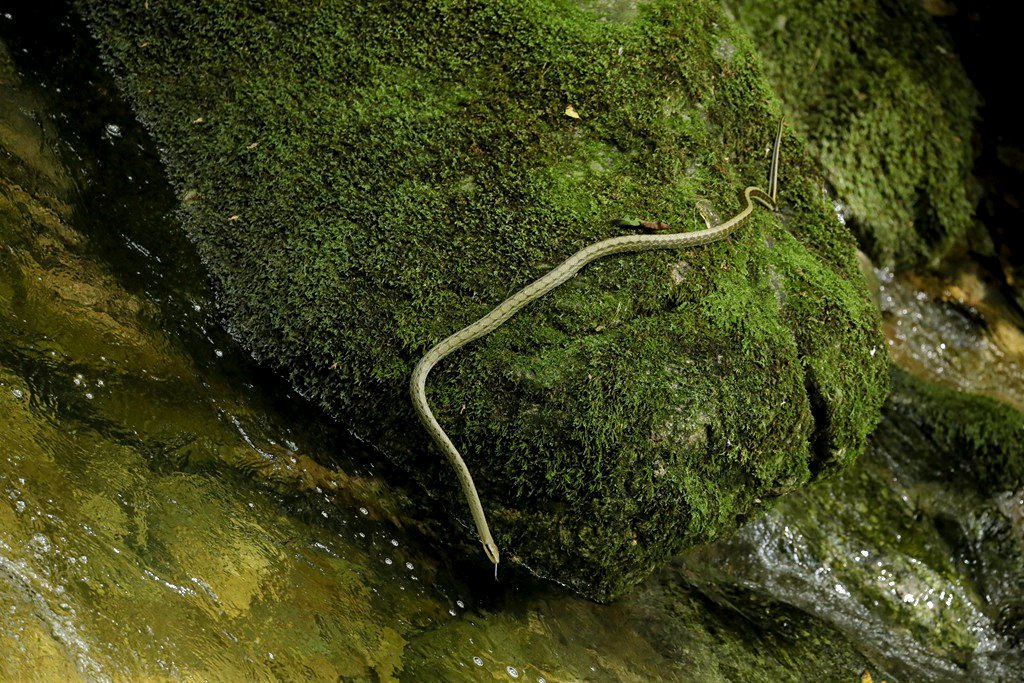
(538, 288)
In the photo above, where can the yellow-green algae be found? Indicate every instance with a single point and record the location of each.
(878, 91)
(364, 179)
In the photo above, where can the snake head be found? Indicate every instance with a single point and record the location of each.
(492, 553)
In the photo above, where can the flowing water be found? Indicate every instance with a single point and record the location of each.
(169, 511)
(957, 330)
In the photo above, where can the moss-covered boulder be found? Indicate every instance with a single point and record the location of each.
(364, 179)
(877, 89)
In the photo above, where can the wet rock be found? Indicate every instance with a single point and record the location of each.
(954, 328)
(664, 630)
(986, 434)
(26, 157)
(910, 553)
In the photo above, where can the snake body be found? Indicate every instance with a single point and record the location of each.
(533, 291)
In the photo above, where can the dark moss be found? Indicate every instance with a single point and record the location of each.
(980, 440)
(363, 180)
(880, 95)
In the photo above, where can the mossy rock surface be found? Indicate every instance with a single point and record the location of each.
(981, 438)
(363, 180)
(877, 89)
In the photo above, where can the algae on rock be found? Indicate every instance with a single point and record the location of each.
(362, 180)
(886, 107)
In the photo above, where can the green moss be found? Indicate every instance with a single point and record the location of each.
(886, 106)
(976, 437)
(364, 180)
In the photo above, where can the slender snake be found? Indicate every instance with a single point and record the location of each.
(559, 275)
